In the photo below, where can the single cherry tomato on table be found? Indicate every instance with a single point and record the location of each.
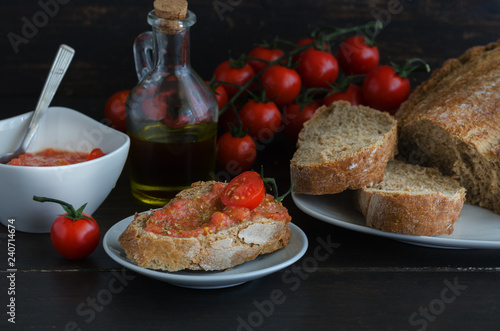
(294, 117)
(353, 94)
(262, 119)
(318, 69)
(357, 55)
(281, 84)
(114, 110)
(266, 54)
(74, 235)
(233, 72)
(245, 190)
(236, 152)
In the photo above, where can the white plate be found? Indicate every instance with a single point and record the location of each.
(260, 267)
(476, 227)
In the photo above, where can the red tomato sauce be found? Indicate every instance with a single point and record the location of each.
(185, 218)
(50, 157)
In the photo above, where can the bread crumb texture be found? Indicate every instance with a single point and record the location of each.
(343, 147)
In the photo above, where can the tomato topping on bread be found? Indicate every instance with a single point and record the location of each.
(197, 231)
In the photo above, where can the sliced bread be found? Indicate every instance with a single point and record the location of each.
(264, 230)
(412, 200)
(452, 122)
(343, 147)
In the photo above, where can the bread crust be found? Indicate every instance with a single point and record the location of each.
(451, 121)
(422, 214)
(461, 96)
(412, 200)
(363, 168)
(216, 251)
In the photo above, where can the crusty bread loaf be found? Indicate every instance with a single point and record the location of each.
(221, 250)
(343, 147)
(452, 122)
(412, 200)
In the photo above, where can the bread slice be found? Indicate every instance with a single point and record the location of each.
(412, 200)
(221, 250)
(452, 122)
(343, 147)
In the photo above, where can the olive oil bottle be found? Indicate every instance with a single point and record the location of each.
(171, 113)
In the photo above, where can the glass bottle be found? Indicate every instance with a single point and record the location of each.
(171, 115)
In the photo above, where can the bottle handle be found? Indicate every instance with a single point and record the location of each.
(143, 53)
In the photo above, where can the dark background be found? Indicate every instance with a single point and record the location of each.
(102, 33)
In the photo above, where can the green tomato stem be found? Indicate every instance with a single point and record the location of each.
(71, 213)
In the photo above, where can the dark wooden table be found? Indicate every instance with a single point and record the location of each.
(357, 282)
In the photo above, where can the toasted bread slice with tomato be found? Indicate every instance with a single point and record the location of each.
(205, 234)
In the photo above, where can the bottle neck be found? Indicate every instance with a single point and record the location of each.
(171, 50)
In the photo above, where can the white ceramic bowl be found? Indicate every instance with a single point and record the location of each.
(87, 182)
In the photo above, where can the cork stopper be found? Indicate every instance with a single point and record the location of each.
(172, 10)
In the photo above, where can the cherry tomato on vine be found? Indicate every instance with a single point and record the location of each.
(262, 119)
(234, 153)
(74, 235)
(357, 56)
(294, 118)
(384, 89)
(318, 68)
(263, 53)
(220, 94)
(234, 73)
(245, 190)
(282, 84)
(114, 110)
(353, 94)
(308, 41)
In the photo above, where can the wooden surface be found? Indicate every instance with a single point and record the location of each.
(366, 282)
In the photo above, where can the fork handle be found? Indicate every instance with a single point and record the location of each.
(57, 71)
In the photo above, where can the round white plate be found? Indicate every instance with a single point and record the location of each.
(262, 266)
(476, 228)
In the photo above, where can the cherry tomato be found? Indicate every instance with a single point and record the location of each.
(353, 94)
(294, 118)
(114, 110)
(318, 69)
(229, 73)
(220, 94)
(74, 235)
(282, 84)
(356, 57)
(262, 118)
(263, 53)
(308, 41)
(384, 89)
(95, 154)
(236, 154)
(245, 190)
